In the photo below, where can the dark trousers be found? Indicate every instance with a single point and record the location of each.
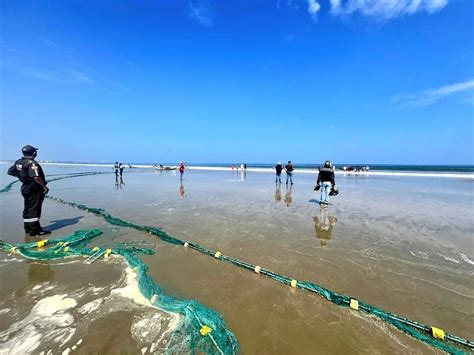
(32, 211)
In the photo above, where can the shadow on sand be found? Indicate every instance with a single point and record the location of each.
(60, 223)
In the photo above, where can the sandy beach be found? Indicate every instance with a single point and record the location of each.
(401, 243)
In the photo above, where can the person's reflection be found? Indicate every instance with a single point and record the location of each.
(119, 183)
(288, 198)
(277, 193)
(324, 225)
(38, 272)
(243, 175)
(182, 193)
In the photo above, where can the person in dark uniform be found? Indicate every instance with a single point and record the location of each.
(116, 167)
(33, 189)
(121, 166)
(325, 182)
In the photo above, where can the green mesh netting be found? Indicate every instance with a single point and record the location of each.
(451, 343)
(200, 329)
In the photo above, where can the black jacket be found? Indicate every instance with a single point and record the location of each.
(26, 169)
(326, 174)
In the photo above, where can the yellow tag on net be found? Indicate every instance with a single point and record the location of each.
(205, 330)
(354, 304)
(437, 333)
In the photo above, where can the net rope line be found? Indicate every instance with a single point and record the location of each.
(433, 336)
(208, 325)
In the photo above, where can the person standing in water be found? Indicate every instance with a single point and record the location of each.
(33, 189)
(278, 168)
(116, 167)
(181, 170)
(121, 166)
(325, 182)
(289, 172)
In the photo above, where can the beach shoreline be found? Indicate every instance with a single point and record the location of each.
(438, 174)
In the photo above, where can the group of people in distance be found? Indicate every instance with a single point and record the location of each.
(326, 182)
(118, 168)
(289, 172)
(356, 169)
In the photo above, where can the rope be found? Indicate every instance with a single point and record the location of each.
(74, 245)
(430, 335)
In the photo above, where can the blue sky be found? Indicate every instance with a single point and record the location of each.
(239, 81)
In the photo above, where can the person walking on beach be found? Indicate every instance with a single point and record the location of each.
(278, 169)
(325, 182)
(116, 167)
(33, 189)
(289, 172)
(121, 166)
(181, 170)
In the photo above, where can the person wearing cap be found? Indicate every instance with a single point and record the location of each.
(33, 189)
(278, 169)
(325, 182)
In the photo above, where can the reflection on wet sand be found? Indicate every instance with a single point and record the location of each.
(277, 193)
(182, 192)
(119, 183)
(288, 198)
(323, 225)
(38, 271)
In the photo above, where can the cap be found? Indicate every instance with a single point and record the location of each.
(28, 149)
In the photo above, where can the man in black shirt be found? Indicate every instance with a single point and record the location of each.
(278, 169)
(33, 189)
(289, 172)
(325, 182)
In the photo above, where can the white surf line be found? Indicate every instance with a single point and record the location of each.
(297, 171)
(340, 172)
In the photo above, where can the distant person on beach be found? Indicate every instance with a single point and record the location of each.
(33, 189)
(325, 182)
(245, 166)
(116, 167)
(278, 170)
(181, 170)
(289, 172)
(121, 166)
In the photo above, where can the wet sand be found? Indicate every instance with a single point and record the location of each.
(403, 244)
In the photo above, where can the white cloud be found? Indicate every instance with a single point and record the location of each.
(429, 97)
(200, 12)
(313, 8)
(386, 9)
